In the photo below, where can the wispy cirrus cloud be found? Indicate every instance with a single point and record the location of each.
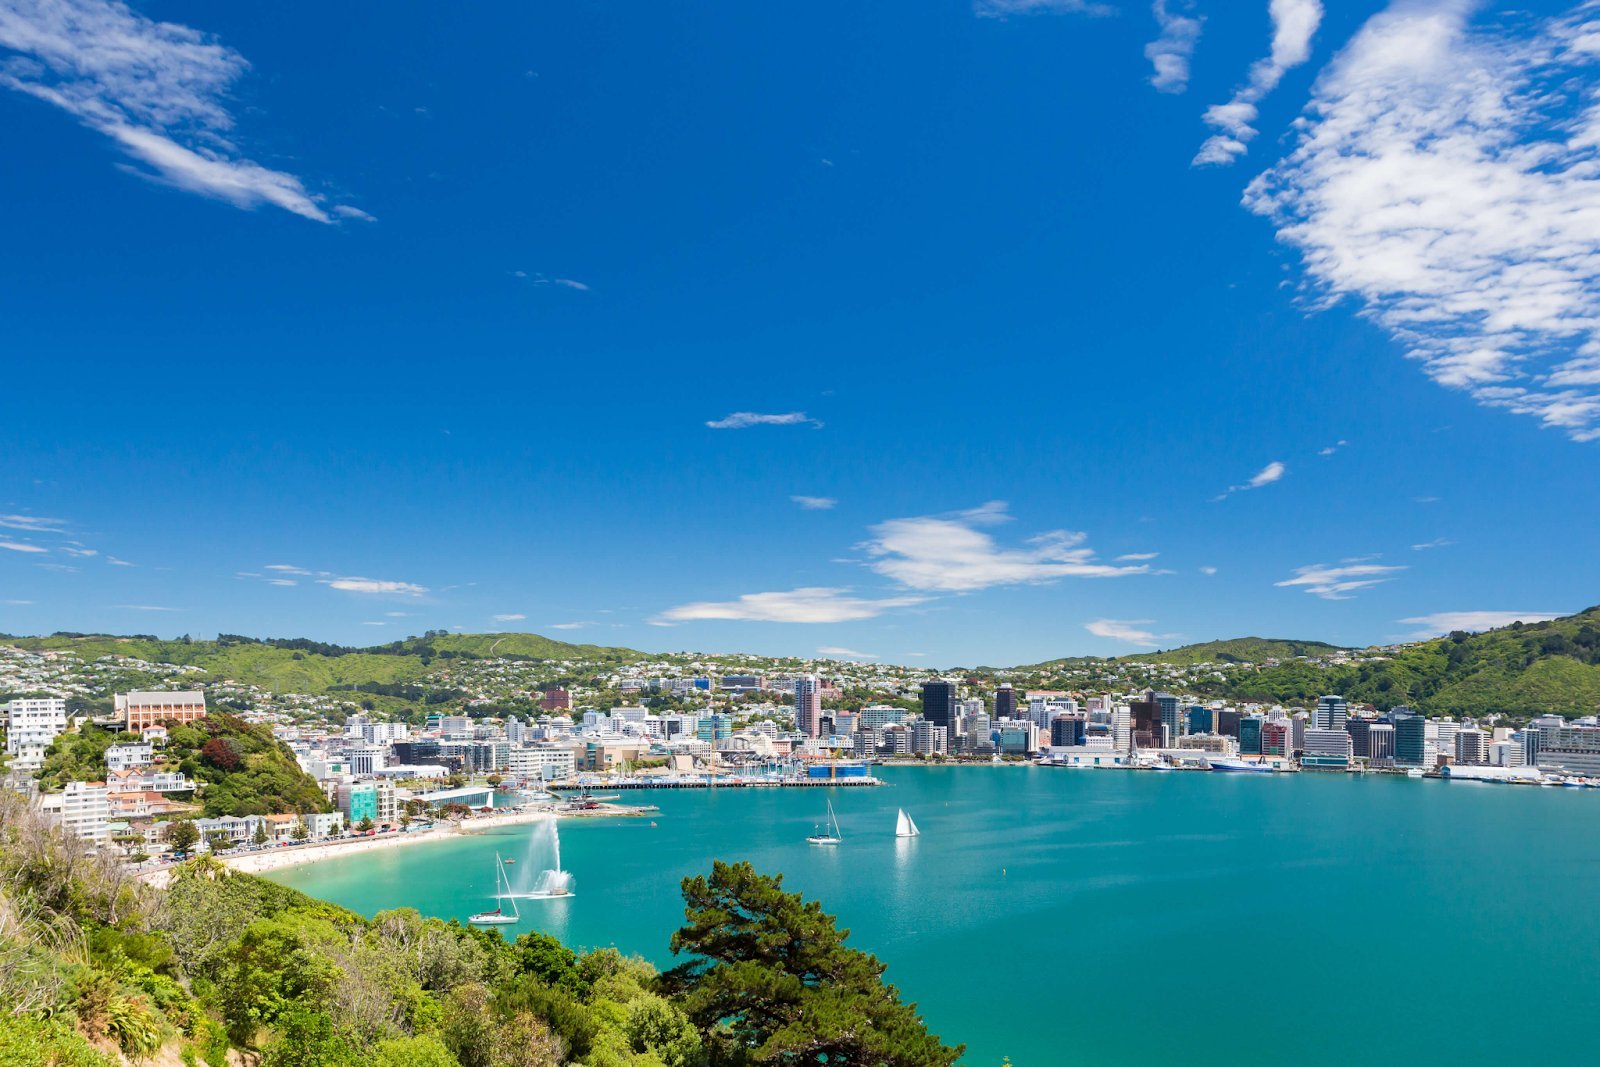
(999, 9)
(1272, 472)
(22, 546)
(579, 625)
(1331, 449)
(143, 607)
(811, 604)
(33, 523)
(1446, 177)
(287, 568)
(1137, 557)
(511, 616)
(843, 653)
(1337, 582)
(375, 585)
(1170, 52)
(542, 279)
(815, 503)
(1444, 622)
(949, 553)
(1122, 630)
(1437, 542)
(1294, 22)
(743, 420)
(159, 90)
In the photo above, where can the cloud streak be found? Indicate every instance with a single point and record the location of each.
(1337, 582)
(375, 585)
(950, 554)
(1448, 179)
(1122, 630)
(815, 503)
(1294, 22)
(156, 89)
(743, 420)
(811, 604)
(1444, 622)
(1272, 472)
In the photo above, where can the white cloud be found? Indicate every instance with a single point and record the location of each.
(815, 503)
(374, 622)
(375, 585)
(1444, 622)
(19, 546)
(572, 625)
(1272, 472)
(1170, 52)
(1331, 449)
(158, 89)
(143, 607)
(79, 551)
(948, 554)
(1293, 24)
(1135, 557)
(1338, 582)
(1447, 178)
(810, 604)
(287, 568)
(115, 562)
(1437, 542)
(740, 420)
(16, 603)
(33, 523)
(1208, 571)
(282, 581)
(843, 653)
(1122, 630)
(510, 617)
(400, 614)
(999, 9)
(541, 279)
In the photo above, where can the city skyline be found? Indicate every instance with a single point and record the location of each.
(981, 333)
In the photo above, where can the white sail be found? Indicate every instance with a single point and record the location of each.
(903, 826)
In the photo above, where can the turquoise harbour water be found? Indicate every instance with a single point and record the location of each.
(1103, 917)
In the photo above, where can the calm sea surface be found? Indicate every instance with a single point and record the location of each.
(1101, 917)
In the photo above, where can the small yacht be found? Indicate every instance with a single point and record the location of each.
(502, 889)
(828, 834)
(904, 827)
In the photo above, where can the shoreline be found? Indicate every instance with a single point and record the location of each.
(276, 859)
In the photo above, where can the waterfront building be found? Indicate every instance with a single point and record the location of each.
(418, 752)
(808, 705)
(877, 716)
(1570, 749)
(1005, 701)
(1017, 738)
(1121, 727)
(31, 724)
(543, 762)
(1250, 735)
(1360, 731)
(1199, 720)
(1327, 748)
(1444, 737)
(1381, 744)
(1277, 738)
(138, 710)
(1471, 747)
(929, 738)
(1068, 731)
(1147, 727)
(1228, 720)
(367, 800)
(1169, 717)
(1331, 713)
(939, 705)
(367, 759)
(1410, 737)
(719, 727)
(1217, 743)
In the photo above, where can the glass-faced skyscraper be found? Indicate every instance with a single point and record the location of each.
(939, 704)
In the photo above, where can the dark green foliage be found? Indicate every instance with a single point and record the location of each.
(774, 982)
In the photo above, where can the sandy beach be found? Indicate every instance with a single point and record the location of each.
(294, 855)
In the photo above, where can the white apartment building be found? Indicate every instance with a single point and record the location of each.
(544, 763)
(128, 755)
(30, 727)
(82, 809)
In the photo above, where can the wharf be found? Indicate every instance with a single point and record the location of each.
(707, 782)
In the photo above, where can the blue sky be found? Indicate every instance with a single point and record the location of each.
(936, 332)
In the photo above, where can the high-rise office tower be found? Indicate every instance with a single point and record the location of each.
(939, 705)
(807, 704)
(1331, 713)
(1005, 701)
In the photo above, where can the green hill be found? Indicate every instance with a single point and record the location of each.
(1238, 650)
(1523, 670)
(298, 665)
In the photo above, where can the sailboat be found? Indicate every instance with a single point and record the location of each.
(830, 834)
(904, 827)
(502, 889)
